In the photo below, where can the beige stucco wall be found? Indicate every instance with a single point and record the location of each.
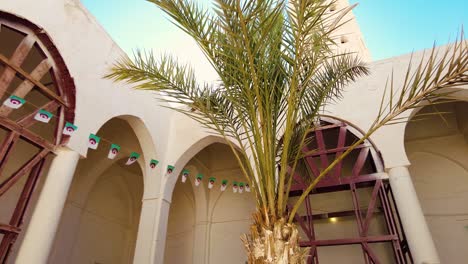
(107, 224)
(348, 37)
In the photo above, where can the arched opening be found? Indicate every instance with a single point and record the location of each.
(32, 70)
(100, 219)
(351, 211)
(205, 224)
(436, 142)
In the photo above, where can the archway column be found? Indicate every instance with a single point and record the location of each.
(200, 246)
(414, 223)
(152, 231)
(160, 231)
(41, 231)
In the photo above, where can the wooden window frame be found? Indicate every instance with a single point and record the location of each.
(63, 102)
(335, 182)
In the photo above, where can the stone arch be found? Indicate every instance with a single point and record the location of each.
(332, 215)
(141, 131)
(187, 155)
(148, 150)
(358, 132)
(393, 148)
(212, 157)
(60, 73)
(437, 150)
(32, 69)
(87, 221)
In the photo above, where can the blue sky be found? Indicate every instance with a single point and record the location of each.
(390, 27)
(395, 27)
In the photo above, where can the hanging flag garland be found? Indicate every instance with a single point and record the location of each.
(198, 179)
(14, 102)
(241, 187)
(153, 163)
(69, 129)
(223, 185)
(237, 187)
(113, 151)
(185, 174)
(211, 182)
(133, 157)
(170, 169)
(93, 141)
(43, 116)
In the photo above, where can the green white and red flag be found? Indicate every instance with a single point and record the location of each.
(224, 185)
(185, 174)
(113, 151)
(133, 157)
(198, 180)
(211, 182)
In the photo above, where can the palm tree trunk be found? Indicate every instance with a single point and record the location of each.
(273, 243)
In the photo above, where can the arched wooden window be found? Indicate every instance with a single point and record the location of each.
(31, 68)
(351, 211)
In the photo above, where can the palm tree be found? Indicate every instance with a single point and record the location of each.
(277, 71)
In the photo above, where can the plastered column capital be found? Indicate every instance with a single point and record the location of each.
(399, 172)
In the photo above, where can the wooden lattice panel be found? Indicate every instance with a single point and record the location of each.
(30, 68)
(359, 173)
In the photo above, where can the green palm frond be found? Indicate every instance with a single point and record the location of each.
(444, 68)
(277, 71)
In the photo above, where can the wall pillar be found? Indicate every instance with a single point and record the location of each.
(40, 233)
(67, 233)
(159, 240)
(412, 217)
(200, 246)
(146, 231)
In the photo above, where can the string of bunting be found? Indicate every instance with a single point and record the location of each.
(16, 102)
(237, 187)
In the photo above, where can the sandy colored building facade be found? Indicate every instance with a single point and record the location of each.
(61, 202)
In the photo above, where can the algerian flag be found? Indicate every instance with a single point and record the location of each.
(43, 116)
(185, 174)
(247, 187)
(211, 182)
(133, 157)
(113, 151)
(198, 179)
(235, 187)
(170, 169)
(223, 185)
(69, 128)
(241, 187)
(153, 163)
(14, 102)
(93, 141)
